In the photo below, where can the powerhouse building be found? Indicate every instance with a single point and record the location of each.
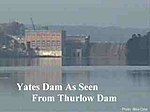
(77, 46)
(45, 42)
(56, 43)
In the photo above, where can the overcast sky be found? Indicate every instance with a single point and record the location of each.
(124, 13)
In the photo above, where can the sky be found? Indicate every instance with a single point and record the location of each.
(123, 13)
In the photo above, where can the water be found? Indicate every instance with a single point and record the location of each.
(96, 61)
(131, 85)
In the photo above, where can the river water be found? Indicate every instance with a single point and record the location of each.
(131, 85)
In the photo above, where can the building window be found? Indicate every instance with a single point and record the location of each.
(53, 34)
(38, 43)
(33, 44)
(48, 43)
(43, 43)
(58, 35)
(53, 43)
(58, 43)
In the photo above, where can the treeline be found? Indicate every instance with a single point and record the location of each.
(13, 28)
(138, 50)
(9, 47)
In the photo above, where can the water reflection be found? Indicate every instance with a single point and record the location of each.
(30, 61)
(100, 61)
(76, 62)
(140, 77)
(119, 80)
(75, 77)
(131, 87)
(38, 76)
(95, 61)
(8, 82)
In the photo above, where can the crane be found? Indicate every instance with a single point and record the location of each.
(32, 24)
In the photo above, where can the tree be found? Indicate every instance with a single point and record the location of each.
(1, 30)
(23, 46)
